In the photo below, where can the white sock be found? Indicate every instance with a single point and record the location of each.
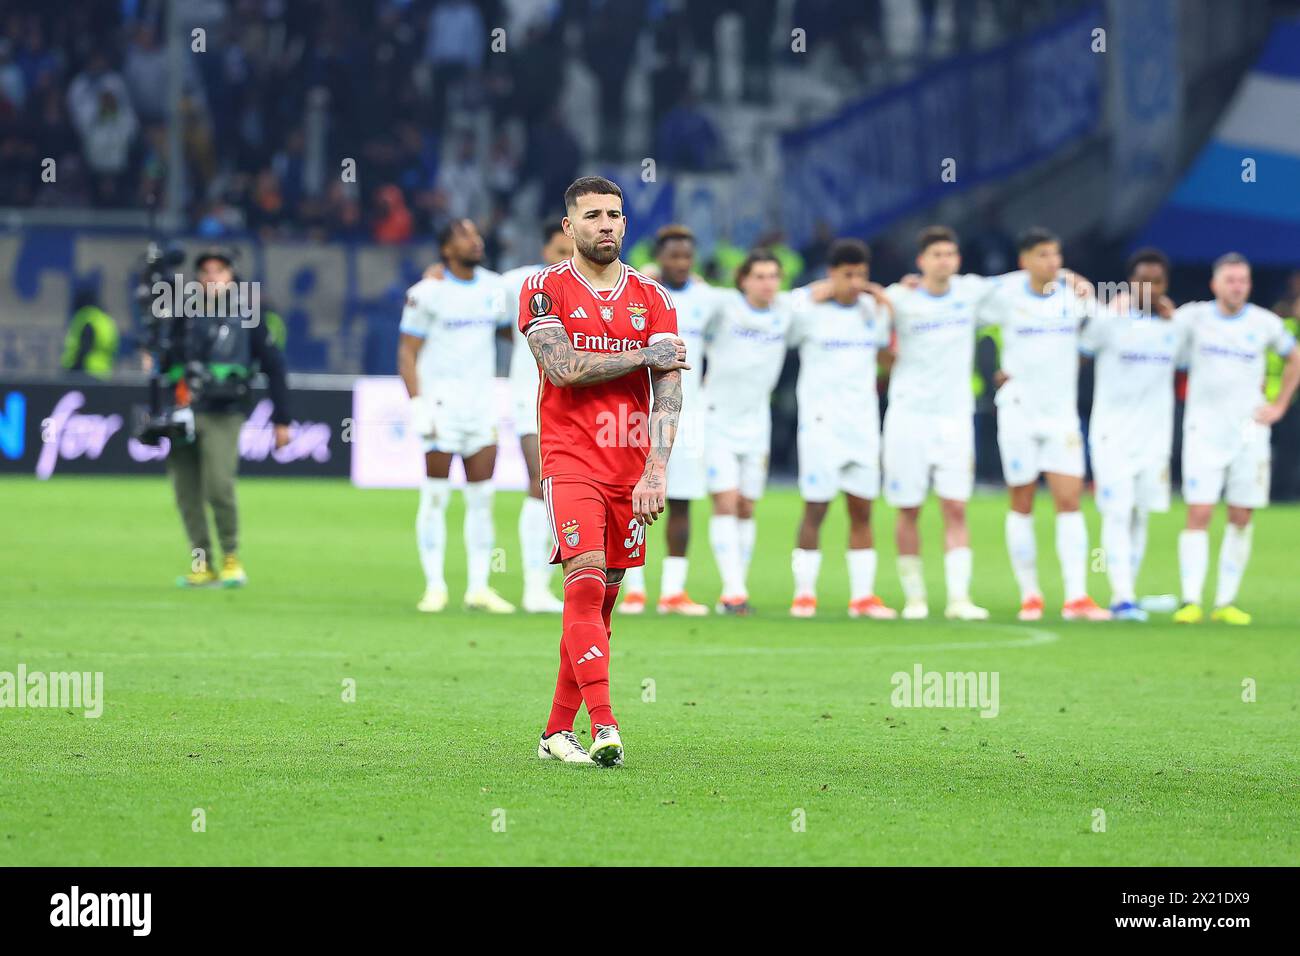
(912, 574)
(674, 576)
(634, 581)
(1072, 552)
(748, 531)
(805, 565)
(1117, 543)
(1138, 539)
(1234, 553)
(431, 530)
(956, 573)
(535, 544)
(724, 537)
(1024, 552)
(862, 573)
(1193, 561)
(479, 533)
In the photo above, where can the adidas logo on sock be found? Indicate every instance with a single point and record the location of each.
(591, 655)
(578, 313)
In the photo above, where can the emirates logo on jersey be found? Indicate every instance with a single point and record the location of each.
(570, 531)
(607, 313)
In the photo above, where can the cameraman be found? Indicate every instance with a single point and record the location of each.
(212, 360)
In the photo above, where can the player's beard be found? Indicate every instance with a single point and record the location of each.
(601, 255)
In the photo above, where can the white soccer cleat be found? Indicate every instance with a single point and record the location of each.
(607, 747)
(434, 600)
(488, 600)
(563, 745)
(916, 610)
(542, 601)
(633, 603)
(966, 610)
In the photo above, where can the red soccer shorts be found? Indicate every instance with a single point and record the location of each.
(587, 515)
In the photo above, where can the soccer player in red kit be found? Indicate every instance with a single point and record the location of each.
(605, 339)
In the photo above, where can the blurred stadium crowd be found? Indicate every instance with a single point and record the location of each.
(439, 126)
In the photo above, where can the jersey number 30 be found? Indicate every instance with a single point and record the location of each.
(634, 540)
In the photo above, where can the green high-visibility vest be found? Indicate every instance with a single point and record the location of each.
(1273, 372)
(99, 360)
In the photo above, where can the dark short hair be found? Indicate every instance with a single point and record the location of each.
(670, 232)
(848, 252)
(932, 234)
(1036, 236)
(754, 258)
(590, 186)
(550, 229)
(448, 230)
(1229, 259)
(1148, 255)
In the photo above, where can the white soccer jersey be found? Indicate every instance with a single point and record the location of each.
(524, 373)
(837, 362)
(1225, 379)
(697, 309)
(745, 355)
(458, 321)
(1135, 356)
(1040, 345)
(936, 347)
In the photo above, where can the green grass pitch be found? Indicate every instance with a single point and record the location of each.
(768, 741)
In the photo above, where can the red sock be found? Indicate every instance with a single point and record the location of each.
(607, 609)
(587, 641)
(568, 698)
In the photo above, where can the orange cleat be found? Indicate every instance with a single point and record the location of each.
(871, 606)
(633, 603)
(1084, 609)
(804, 605)
(681, 604)
(1031, 608)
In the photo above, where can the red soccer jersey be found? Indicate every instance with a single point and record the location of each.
(598, 431)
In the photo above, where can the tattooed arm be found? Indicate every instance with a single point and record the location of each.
(648, 497)
(565, 366)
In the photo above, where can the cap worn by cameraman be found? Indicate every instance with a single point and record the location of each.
(224, 253)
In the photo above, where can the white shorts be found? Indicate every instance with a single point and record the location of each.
(462, 432)
(1122, 487)
(1241, 478)
(829, 464)
(687, 474)
(1037, 446)
(523, 404)
(731, 470)
(921, 451)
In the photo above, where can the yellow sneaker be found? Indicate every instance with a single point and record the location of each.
(201, 576)
(232, 572)
(1189, 613)
(1230, 614)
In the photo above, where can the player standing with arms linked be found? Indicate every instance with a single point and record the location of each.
(928, 438)
(595, 327)
(534, 526)
(446, 355)
(1226, 450)
(697, 306)
(1041, 315)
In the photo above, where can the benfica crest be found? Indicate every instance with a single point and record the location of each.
(637, 312)
(570, 530)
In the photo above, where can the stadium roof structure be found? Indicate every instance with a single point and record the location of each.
(1242, 192)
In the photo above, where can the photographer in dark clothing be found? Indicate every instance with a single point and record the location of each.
(211, 363)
